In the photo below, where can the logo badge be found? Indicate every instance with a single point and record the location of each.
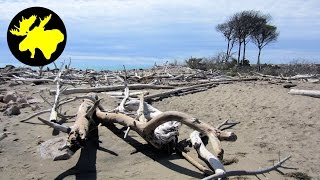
(36, 36)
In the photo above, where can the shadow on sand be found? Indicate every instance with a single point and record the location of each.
(159, 156)
(86, 165)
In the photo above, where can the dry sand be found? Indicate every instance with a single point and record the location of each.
(271, 121)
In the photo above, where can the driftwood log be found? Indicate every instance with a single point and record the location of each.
(311, 93)
(111, 88)
(180, 90)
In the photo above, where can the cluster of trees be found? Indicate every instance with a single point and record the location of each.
(244, 27)
(212, 63)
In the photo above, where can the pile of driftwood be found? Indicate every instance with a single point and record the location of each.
(159, 129)
(158, 77)
(287, 83)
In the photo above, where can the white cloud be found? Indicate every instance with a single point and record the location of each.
(295, 19)
(164, 11)
(292, 17)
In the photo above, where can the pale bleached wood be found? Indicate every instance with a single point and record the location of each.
(275, 167)
(84, 121)
(56, 126)
(131, 94)
(203, 152)
(140, 111)
(112, 88)
(296, 77)
(195, 163)
(31, 80)
(179, 90)
(149, 111)
(146, 129)
(311, 93)
(54, 113)
(121, 107)
(165, 132)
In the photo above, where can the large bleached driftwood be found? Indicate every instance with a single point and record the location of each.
(90, 114)
(112, 88)
(311, 93)
(179, 90)
(297, 77)
(84, 122)
(204, 85)
(146, 129)
(131, 94)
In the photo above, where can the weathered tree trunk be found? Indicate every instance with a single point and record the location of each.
(230, 49)
(244, 51)
(258, 63)
(84, 121)
(228, 46)
(239, 52)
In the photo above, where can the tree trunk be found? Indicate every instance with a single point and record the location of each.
(244, 51)
(227, 56)
(230, 49)
(239, 52)
(258, 63)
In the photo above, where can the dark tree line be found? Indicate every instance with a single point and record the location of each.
(245, 27)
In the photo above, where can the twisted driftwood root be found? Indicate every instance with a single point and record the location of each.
(146, 129)
(153, 121)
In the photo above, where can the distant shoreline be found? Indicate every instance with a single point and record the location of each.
(96, 67)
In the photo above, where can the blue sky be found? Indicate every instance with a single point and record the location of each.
(116, 32)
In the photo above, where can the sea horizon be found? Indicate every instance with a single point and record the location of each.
(97, 66)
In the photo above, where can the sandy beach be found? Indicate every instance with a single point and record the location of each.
(272, 121)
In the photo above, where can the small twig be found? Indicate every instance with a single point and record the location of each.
(3, 135)
(36, 114)
(226, 123)
(127, 132)
(55, 65)
(45, 100)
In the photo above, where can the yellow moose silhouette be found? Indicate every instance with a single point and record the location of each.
(45, 40)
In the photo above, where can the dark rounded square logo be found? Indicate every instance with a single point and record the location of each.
(36, 36)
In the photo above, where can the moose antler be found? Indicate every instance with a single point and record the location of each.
(24, 26)
(44, 21)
